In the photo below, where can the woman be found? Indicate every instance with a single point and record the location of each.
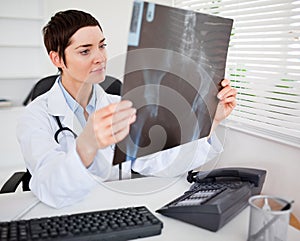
(63, 170)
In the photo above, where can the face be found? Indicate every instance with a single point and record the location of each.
(86, 57)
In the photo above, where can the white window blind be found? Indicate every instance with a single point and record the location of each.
(263, 63)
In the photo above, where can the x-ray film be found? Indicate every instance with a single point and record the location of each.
(175, 62)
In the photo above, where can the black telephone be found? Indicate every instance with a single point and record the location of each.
(215, 197)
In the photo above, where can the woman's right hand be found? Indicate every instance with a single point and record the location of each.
(105, 127)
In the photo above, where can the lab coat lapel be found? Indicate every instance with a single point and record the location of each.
(77, 128)
(100, 93)
(57, 106)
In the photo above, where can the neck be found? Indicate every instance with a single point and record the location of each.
(81, 92)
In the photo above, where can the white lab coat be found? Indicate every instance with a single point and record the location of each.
(58, 176)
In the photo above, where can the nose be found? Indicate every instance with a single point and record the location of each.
(100, 56)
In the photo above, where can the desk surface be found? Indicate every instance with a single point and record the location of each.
(151, 192)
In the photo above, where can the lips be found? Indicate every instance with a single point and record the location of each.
(100, 69)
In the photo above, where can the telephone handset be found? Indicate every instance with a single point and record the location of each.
(254, 176)
(215, 197)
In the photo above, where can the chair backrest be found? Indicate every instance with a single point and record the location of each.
(111, 85)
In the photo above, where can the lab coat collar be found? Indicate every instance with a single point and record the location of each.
(57, 106)
(100, 93)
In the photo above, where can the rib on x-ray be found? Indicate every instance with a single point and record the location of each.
(174, 65)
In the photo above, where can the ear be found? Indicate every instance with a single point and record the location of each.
(56, 60)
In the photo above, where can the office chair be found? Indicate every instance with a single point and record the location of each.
(111, 85)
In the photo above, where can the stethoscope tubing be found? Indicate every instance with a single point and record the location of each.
(61, 129)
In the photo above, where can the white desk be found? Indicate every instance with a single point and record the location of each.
(151, 192)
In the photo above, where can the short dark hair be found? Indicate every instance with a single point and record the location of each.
(61, 27)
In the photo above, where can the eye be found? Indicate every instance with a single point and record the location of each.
(102, 46)
(85, 52)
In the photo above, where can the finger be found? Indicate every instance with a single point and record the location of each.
(107, 137)
(225, 82)
(108, 126)
(224, 90)
(229, 100)
(119, 136)
(230, 104)
(228, 91)
(118, 127)
(111, 120)
(122, 115)
(112, 108)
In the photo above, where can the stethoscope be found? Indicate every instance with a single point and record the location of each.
(61, 129)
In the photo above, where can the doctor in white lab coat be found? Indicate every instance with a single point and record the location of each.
(64, 169)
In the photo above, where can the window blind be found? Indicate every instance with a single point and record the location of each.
(263, 64)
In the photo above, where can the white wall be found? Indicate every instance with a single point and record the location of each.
(22, 55)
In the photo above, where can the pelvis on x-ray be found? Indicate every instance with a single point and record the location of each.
(175, 62)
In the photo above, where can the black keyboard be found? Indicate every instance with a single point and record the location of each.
(116, 224)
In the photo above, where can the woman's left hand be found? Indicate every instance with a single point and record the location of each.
(227, 101)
